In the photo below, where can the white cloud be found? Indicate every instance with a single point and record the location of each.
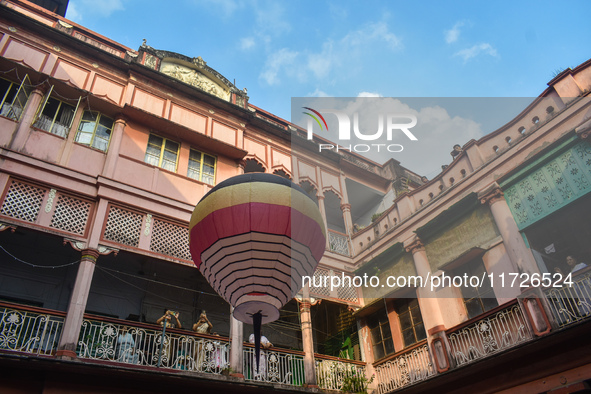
(469, 53)
(369, 94)
(338, 58)
(318, 93)
(78, 9)
(453, 34)
(247, 43)
(283, 59)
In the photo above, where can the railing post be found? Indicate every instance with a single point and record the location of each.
(236, 345)
(307, 339)
(69, 339)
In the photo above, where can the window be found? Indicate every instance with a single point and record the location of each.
(201, 167)
(95, 130)
(162, 152)
(14, 97)
(55, 116)
(411, 321)
(381, 336)
(477, 299)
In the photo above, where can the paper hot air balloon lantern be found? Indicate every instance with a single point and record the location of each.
(253, 237)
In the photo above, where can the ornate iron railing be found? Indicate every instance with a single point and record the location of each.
(332, 373)
(274, 366)
(412, 366)
(338, 243)
(571, 304)
(29, 331)
(104, 340)
(494, 333)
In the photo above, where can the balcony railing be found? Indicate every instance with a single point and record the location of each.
(275, 366)
(141, 345)
(404, 369)
(331, 373)
(499, 330)
(338, 243)
(571, 304)
(29, 331)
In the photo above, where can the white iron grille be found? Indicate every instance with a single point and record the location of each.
(347, 292)
(170, 239)
(23, 201)
(318, 279)
(71, 214)
(123, 227)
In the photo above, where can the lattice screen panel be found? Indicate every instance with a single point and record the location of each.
(319, 276)
(23, 201)
(123, 227)
(170, 239)
(71, 214)
(347, 293)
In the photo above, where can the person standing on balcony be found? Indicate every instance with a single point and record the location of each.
(203, 325)
(166, 321)
(168, 318)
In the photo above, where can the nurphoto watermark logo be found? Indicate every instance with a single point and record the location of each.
(349, 130)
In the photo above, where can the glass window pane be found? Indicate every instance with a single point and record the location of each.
(420, 332)
(89, 116)
(209, 160)
(388, 346)
(100, 143)
(207, 179)
(405, 321)
(473, 307)
(106, 122)
(489, 302)
(84, 138)
(153, 151)
(87, 127)
(378, 351)
(150, 159)
(168, 165)
(409, 337)
(416, 316)
(193, 173)
(170, 156)
(155, 140)
(171, 146)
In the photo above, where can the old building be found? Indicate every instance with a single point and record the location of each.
(105, 150)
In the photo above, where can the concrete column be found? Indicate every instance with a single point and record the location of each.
(307, 339)
(75, 314)
(236, 345)
(114, 147)
(322, 210)
(24, 127)
(346, 208)
(520, 255)
(430, 309)
(241, 165)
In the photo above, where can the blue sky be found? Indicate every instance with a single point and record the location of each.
(280, 49)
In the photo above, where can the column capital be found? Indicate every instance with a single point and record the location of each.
(491, 194)
(90, 254)
(320, 197)
(121, 119)
(346, 207)
(415, 246)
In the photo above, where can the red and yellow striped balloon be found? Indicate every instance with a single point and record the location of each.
(253, 237)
